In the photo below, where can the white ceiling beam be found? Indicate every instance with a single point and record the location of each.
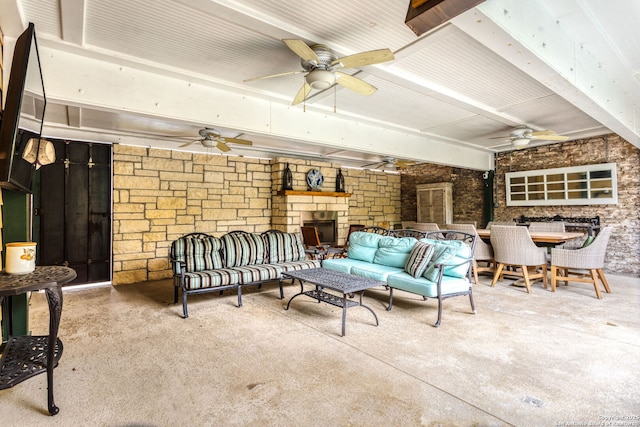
(527, 34)
(72, 15)
(78, 80)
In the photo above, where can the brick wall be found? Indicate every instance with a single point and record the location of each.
(160, 195)
(468, 191)
(623, 254)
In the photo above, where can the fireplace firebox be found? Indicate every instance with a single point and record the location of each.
(326, 222)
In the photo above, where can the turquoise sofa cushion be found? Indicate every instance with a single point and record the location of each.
(344, 265)
(394, 251)
(375, 271)
(421, 286)
(363, 246)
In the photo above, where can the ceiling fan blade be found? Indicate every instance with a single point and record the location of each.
(274, 75)
(189, 143)
(355, 84)
(302, 94)
(542, 132)
(376, 164)
(549, 138)
(404, 163)
(223, 147)
(301, 49)
(365, 58)
(500, 137)
(238, 141)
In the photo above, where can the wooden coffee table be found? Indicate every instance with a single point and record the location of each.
(337, 281)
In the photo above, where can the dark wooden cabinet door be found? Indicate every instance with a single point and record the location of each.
(73, 210)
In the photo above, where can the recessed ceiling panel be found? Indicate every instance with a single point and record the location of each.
(455, 61)
(416, 111)
(46, 14)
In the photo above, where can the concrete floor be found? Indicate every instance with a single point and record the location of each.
(544, 359)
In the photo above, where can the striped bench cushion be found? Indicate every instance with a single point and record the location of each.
(300, 265)
(258, 273)
(284, 247)
(211, 278)
(243, 249)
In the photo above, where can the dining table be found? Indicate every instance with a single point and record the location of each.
(542, 237)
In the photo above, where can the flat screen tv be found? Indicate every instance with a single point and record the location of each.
(23, 113)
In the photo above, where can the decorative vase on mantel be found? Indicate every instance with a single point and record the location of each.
(340, 182)
(287, 179)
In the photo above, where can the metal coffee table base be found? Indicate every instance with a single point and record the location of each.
(319, 295)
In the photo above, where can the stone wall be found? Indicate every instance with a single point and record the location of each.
(160, 195)
(623, 255)
(468, 191)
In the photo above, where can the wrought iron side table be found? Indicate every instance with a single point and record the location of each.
(26, 356)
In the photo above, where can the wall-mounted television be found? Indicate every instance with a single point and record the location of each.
(23, 114)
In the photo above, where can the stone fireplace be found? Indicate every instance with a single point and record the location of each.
(327, 210)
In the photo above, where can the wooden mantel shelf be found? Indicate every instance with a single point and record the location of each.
(312, 193)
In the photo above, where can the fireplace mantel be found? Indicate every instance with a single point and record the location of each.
(312, 193)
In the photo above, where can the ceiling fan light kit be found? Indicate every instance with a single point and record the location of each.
(320, 79)
(520, 143)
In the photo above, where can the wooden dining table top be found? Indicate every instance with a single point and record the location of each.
(553, 237)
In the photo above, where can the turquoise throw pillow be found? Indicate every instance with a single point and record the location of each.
(442, 253)
(419, 259)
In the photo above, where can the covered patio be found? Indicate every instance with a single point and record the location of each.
(525, 359)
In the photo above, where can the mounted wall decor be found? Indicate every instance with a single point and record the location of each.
(287, 179)
(314, 179)
(340, 182)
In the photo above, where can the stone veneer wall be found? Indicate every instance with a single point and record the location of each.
(468, 191)
(160, 195)
(623, 254)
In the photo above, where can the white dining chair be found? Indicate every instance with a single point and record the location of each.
(512, 246)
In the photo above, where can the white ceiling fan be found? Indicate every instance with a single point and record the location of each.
(521, 136)
(319, 62)
(390, 162)
(212, 138)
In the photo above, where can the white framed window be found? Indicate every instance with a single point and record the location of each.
(578, 185)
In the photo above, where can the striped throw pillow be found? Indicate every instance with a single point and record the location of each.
(202, 254)
(243, 249)
(284, 247)
(419, 259)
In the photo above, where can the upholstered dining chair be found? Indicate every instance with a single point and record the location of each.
(512, 246)
(582, 265)
(508, 223)
(426, 226)
(482, 253)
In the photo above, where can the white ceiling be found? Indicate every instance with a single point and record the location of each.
(153, 72)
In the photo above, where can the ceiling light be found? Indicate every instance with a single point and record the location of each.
(520, 143)
(320, 79)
